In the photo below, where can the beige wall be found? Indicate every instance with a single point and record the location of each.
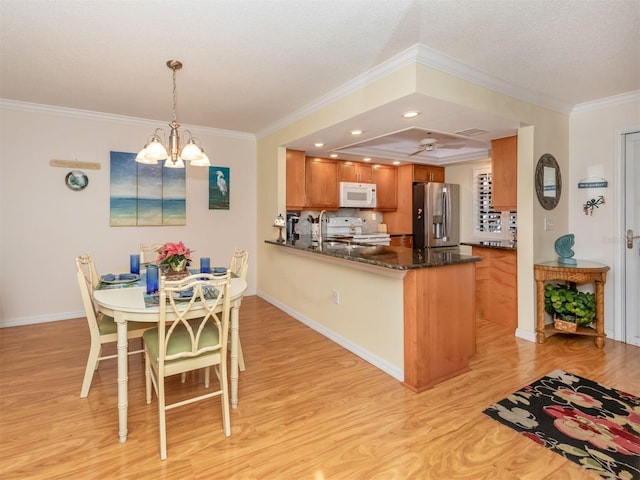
(596, 131)
(44, 225)
(275, 276)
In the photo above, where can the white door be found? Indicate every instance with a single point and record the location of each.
(632, 238)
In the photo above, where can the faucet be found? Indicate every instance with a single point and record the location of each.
(322, 213)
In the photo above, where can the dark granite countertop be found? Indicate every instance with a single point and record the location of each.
(393, 257)
(500, 244)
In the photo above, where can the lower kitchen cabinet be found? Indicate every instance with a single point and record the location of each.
(497, 286)
(401, 241)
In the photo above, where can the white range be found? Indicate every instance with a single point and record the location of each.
(351, 227)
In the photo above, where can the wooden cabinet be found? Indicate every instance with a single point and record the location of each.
(355, 172)
(497, 286)
(401, 241)
(427, 173)
(401, 220)
(439, 324)
(386, 179)
(504, 173)
(295, 180)
(321, 183)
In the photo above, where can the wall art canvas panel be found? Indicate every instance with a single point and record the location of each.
(145, 194)
(219, 188)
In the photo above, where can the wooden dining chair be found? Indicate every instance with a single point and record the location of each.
(102, 328)
(149, 252)
(238, 267)
(185, 340)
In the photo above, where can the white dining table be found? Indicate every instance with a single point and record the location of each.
(127, 304)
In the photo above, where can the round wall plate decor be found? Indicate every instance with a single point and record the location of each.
(76, 180)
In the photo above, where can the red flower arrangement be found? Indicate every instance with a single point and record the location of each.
(176, 255)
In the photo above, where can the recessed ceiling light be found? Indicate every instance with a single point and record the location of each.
(356, 132)
(411, 114)
(334, 155)
(396, 162)
(367, 159)
(319, 144)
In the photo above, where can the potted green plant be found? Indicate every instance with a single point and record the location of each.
(569, 307)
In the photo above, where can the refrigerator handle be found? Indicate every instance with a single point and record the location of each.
(445, 214)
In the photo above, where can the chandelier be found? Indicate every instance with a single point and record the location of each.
(174, 155)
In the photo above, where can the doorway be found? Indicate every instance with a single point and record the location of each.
(631, 237)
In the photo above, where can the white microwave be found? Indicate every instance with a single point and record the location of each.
(357, 195)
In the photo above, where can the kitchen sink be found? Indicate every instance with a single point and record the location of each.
(348, 247)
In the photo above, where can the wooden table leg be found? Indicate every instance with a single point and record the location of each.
(123, 375)
(540, 334)
(234, 355)
(599, 340)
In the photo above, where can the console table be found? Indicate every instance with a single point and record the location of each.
(583, 272)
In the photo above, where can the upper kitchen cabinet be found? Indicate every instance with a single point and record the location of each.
(386, 179)
(321, 183)
(401, 220)
(427, 173)
(504, 172)
(355, 172)
(295, 179)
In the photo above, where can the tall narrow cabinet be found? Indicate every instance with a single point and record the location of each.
(504, 172)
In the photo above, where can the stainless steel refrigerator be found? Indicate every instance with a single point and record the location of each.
(436, 221)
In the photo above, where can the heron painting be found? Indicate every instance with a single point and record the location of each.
(219, 182)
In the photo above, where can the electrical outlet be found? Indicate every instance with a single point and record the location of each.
(548, 224)
(335, 297)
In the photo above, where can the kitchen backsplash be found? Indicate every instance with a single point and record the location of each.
(369, 223)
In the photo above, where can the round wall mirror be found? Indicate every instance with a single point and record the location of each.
(548, 181)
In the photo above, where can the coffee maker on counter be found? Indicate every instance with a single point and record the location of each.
(292, 221)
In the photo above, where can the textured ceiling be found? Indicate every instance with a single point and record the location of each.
(250, 63)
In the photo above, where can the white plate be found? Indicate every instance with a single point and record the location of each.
(117, 280)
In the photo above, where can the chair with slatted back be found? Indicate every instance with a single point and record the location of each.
(192, 333)
(102, 328)
(238, 267)
(239, 263)
(149, 252)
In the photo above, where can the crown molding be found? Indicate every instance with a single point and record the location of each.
(429, 57)
(382, 70)
(607, 102)
(435, 59)
(109, 117)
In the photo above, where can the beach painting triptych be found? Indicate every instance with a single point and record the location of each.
(146, 195)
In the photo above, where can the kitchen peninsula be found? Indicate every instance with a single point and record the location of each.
(437, 305)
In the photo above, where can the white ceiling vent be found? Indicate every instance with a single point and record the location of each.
(471, 132)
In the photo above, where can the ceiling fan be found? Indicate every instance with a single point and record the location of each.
(430, 144)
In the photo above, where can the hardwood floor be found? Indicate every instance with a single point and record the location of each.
(308, 409)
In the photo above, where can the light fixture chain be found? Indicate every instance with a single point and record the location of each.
(174, 95)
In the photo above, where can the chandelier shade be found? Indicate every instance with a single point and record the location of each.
(173, 155)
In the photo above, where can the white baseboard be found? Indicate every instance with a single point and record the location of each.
(17, 322)
(373, 359)
(526, 335)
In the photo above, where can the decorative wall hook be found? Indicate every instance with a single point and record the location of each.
(591, 204)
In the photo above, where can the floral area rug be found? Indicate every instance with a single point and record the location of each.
(594, 426)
